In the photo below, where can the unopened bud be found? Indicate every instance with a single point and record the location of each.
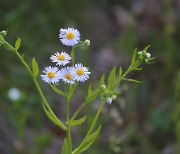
(87, 42)
(148, 55)
(3, 33)
(103, 86)
(113, 97)
(109, 100)
(140, 52)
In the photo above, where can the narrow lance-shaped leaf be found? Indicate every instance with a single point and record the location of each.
(35, 68)
(111, 79)
(134, 56)
(89, 89)
(120, 72)
(17, 44)
(76, 122)
(55, 89)
(132, 80)
(146, 48)
(64, 149)
(101, 82)
(53, 117)
(87, 142)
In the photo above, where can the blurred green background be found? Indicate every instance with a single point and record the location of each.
(144, 120)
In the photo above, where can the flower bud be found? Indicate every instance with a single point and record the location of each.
(87, 42)
(109, 100)
(103, 86)
(3, 33)
(113, 97)
(140, 52)
(148, 55)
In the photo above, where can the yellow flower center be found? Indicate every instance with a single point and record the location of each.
(69, 35)
(68, 76)
(51, 74)
(80, 71)
(60, 57)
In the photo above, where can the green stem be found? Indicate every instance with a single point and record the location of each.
(95, 118)
(79, 110)
(36, 84)
(68, 131)
(92, 126)
(123, 76)
(72, 55)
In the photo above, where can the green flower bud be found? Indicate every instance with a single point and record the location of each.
(3, 33)
(87, 42)
(103, 86)
(113, 97)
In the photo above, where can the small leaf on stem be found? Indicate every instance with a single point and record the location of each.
(35, 68)
(17, 44)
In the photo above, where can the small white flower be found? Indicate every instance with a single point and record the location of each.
(109, 100)
(80, 73)
(69, 36)
(60, 58)
(51, 75)
(66, 76)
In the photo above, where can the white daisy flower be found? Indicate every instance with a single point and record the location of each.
(60, 58)
(66, 76)
(51, 75)
(69, 37)
(80, 73)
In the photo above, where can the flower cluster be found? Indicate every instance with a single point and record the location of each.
(145, 56)
(68, 74)
(106, 95)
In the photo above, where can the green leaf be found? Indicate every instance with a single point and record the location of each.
(120, 72)
(146, 48)
(89, 89)
(134, 56)
(35, 68)
(101, 82)
(56, 89)
(111, 79)
(53, 117)
(17, 44)
(138, 69)
(64, 149)
(132, 80)
(87, 142)
(76, 122)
